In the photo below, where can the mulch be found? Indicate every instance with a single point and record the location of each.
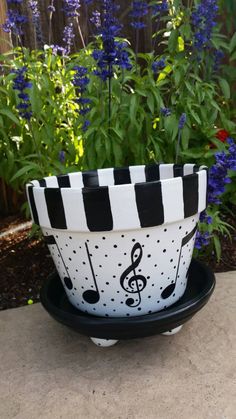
(25, 262)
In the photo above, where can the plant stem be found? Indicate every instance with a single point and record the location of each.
(178, 147)
(109, 97)
(80, 32)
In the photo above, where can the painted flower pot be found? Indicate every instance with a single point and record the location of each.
(121, 239)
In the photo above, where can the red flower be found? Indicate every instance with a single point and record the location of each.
(222, 135)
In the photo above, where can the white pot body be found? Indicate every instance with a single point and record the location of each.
(122, 241)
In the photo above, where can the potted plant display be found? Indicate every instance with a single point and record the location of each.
(124, 116)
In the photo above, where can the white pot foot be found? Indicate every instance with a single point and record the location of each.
(103, 342)
(172, 331)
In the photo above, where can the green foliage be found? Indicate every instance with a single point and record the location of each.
(136, 132)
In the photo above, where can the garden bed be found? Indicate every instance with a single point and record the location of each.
(25, 262)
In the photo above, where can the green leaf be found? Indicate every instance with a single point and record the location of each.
(10, 115)
(24, 170)
(217, 247)
(232, 44)
(173, 41)
(185, 137)
(150, 103)
(225, 88)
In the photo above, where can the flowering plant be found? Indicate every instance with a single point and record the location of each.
(111, 104)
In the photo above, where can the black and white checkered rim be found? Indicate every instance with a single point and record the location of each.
(118, 199)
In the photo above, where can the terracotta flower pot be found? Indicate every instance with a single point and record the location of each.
(121, 239)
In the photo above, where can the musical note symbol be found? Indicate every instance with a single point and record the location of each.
(136, 283)
(166, 293)
(50, 240)
(91, 296)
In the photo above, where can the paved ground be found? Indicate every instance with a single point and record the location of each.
(48, 371)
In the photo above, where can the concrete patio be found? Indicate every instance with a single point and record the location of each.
(48, 371)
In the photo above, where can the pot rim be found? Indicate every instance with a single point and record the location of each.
(121, 206)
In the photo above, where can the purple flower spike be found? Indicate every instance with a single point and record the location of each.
(182, 120)
(203, 21)
(165, 111)
(139, 10)
(21, 83)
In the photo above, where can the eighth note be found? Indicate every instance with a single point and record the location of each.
(50, 240)
(91, 296)
(166, 293)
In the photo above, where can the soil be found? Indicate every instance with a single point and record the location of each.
(25, 262)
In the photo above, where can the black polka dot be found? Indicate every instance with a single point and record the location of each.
(165, 229)
(162, 273)
(149, 256)
(158, 241)
(125, 254)
(66, 245)
(70, 237)
(102, 290)
(127, 314)
(171, 260)
(139, 308)
(133, 240)
(115, 245)
(149, 296)
(119, 264)
(118, 292)
(96, 247)
(87, 240)
(164, 250)
(173, 241)
(180, 227)
(70, 259)
(148, 277)
(150, 311)
(106, 256)
(104, 238)
(84, 263)
(104, 305)
(122, 235)
(114, 276)
(112, 299)
(74, 251)
(107, 283)
(147, 235)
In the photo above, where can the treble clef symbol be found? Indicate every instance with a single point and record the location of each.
(136, 283)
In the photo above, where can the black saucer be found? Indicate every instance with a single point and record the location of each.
(201, 283)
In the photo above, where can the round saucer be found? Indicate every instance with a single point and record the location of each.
(201, 283)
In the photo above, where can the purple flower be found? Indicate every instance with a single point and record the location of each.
(165, 111)
(85, 125)
(58, 50)
(51, 7)
(159, 8)
(182, 121)
(218, 174)
(71, 8)
(203, 21)
(62, 156)
(204, 218)
(20, 83)
(14, 22)
(68, 37)
(80, 81)
(139, 10)
(33, 5)
(158, 65)
(113, 52)
(202, 239)
(96, 19)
